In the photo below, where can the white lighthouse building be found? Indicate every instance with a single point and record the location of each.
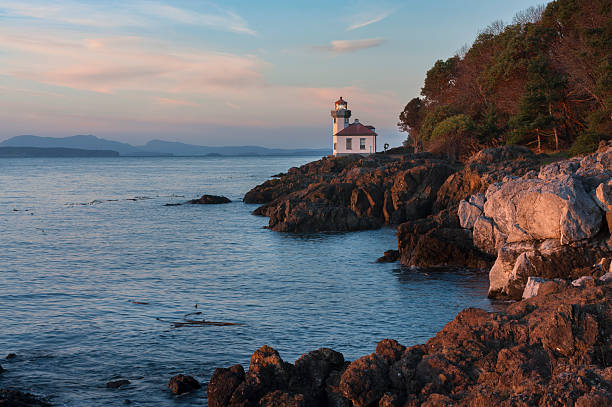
(354, 138)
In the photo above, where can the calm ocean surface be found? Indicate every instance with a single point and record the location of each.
(83, 239)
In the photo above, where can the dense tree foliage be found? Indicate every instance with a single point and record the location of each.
(544, 81)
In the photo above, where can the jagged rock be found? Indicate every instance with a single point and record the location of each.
(487, 236)
(552, 349)
(209, 200)
(115, 384)
(534, 209)
(11, 356)
(390, 350)
(532, 286)
(344, 194)
(365, 380)
(267, 368)
(311, 372)
(548, 259)
(439, 241)
(468, 213)
(222, 385)
(389, 256)
(542, 286)
(181, 384)
(484, 168)
(603, 196)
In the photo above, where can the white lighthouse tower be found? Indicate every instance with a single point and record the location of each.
(354, 138)
(341, 116)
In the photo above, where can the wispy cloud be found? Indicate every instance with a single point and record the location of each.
(225, 20)
(364, 22)
(112, 64)
(342, 46)
(129, 14)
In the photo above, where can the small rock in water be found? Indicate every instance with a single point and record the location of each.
(117, 383)
(209, 199)
(11, 356)
(181, 384)
(389, 256)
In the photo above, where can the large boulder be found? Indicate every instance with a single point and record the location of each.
(222, 385)
(365, 380)
(311, 372)
(535, 209)
(181, 384)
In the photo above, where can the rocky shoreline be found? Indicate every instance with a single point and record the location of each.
(503, 210)
(554, 349)
(541, 228)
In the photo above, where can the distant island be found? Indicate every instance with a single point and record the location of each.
(153, 148)
(35, 152)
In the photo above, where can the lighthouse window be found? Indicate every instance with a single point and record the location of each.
(335, 147)
(334, 120)
(362, 143)
(349, 144)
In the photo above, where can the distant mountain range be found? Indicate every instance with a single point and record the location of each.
(153, 147)
(37, 152)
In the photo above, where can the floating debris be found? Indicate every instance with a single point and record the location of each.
(140, 303)
(196, 322)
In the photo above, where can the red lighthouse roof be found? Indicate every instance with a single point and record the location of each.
(340, 101)
(356, 129)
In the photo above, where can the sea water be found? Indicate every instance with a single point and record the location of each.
(95, 271)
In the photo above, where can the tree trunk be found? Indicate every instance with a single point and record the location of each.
(554, 128)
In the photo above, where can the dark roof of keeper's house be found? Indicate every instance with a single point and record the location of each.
(356, 129)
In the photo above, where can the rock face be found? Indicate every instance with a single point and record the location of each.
(181, 384)
(351, 193)
(537, 209)
(445, 237)
(553, 349)
(439, 241)
(548, 224)
(209, 200)
(486, 167)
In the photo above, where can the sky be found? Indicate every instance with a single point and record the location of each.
(226, 72)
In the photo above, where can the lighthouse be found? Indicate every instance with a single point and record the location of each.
(354, 138)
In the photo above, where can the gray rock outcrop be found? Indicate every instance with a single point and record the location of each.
(549, 224)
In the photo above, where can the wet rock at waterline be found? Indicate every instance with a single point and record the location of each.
(181, 384)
